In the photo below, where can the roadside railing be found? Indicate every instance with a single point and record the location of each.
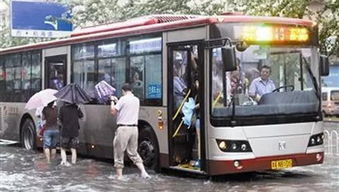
(331, 142)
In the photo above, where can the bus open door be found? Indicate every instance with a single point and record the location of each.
(186, 125)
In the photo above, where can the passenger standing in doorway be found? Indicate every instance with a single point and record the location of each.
(179, 81)
(196, 118)
(126, 135)
(69, 115)
(51, 133)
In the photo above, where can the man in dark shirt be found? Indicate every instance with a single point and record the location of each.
(51, 133)
(69, 115)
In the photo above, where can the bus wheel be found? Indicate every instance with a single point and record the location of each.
(148, 148)
(28, 135)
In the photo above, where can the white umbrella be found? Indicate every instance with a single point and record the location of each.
(41, 99)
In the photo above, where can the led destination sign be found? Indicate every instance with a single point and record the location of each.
(274, 34)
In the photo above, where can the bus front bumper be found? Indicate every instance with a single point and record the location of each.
(217, 167)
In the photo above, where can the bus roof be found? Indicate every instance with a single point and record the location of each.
(150, 24)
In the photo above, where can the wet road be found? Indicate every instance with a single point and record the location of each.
(22, 170)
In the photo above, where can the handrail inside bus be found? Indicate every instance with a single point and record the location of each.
(182, 104)
(178, 128)
(216, 99)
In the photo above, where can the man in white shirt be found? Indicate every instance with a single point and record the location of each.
(126, 135)
(262, 85)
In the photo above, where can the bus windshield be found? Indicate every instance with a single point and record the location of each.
(269, 80)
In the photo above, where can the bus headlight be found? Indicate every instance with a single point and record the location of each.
(317, 139)
(243, 147)
(234, 145)
(222, 145)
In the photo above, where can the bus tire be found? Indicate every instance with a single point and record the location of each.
(28, 135)
(148, 148)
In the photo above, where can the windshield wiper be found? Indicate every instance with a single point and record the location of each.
(314, 81)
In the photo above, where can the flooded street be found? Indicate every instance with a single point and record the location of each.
(22, 170)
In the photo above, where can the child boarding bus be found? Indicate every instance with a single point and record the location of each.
(192, 75)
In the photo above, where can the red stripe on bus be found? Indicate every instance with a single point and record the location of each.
(260, 164)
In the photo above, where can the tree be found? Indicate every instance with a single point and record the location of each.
(93, 12)
(329, 30)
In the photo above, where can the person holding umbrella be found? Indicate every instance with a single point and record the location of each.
(51, 133)
(126, 135)
(43, 102)
(69, 115)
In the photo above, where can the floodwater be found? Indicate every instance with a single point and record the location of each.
(22, 170)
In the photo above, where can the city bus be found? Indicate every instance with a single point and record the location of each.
(172, 62)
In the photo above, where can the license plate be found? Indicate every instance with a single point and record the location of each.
(281, 164)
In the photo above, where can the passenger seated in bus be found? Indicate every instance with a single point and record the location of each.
(262, 85)
(235, 84)
(137, 84)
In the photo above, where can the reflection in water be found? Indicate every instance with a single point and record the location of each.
(22, 170)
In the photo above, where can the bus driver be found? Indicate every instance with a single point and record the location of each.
(262, 84)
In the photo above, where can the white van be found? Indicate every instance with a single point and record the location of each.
(330, 101)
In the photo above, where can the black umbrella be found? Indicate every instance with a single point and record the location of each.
(73, 93)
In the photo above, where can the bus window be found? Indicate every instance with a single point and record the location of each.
(113, 70)
(36, 72)
(84, 74)
(145, 77)
(10, 68)
(145, 69)
(119, 74)
(105, 71)
(83, 52)
(107, 50)
(153, 77)
(84, 70)
(26, 71)
(112, 63)
(137, 76)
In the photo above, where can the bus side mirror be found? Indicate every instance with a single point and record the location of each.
(229, 59)
(324, 65)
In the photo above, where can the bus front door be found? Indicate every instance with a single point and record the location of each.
(55, 70)
(185, 105)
